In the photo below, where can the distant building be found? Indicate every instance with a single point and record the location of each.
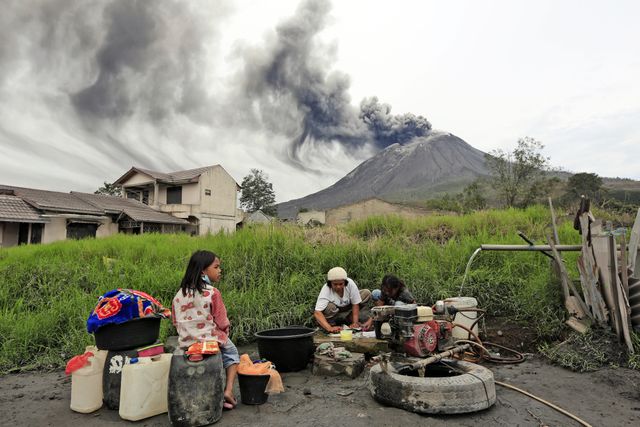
(358, 211)
(311, 218)
(370, 207)
(258, 217)
(196, 201)
(29, 215)
(206, 197)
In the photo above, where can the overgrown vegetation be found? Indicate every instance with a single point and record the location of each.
(589, 352)
(272, 275)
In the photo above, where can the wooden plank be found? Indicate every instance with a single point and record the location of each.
(589, 274)
(624, 272)
(634, 240)
(357, 345)
(577, 325)
(622, 303)
(601, 254)
(574, 304)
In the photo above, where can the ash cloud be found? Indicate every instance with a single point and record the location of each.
(151, 61)
(295, 92)
(123, 81)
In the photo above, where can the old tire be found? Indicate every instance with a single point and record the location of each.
(470, 391)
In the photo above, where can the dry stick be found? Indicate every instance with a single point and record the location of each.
(566, 283)
(551, 405)
(553, 223)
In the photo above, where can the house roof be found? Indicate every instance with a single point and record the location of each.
(138, 213)
(132, 208)
(190, 175)
(14, 209)
(54, 200)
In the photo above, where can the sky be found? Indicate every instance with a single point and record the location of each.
(306, 90)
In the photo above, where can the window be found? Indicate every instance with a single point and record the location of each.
(36, 233)
(207, 192)
(145, 197)
(174, 195)
(77, 230)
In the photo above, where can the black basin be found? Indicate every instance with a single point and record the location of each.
(133, 333)
(289, 348)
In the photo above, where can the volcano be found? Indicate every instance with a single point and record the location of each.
(426, 166)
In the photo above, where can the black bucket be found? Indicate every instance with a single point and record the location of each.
(252, 388)
(289, 348)
(127, 335)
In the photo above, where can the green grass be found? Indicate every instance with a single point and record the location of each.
(272, 275)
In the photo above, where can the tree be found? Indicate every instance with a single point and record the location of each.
(519, 177)
(257, 193)
(109, 190)
(588, 184)
(473, 198)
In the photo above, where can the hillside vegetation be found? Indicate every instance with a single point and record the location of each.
(272, 275)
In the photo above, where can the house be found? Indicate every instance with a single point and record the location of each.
(359, 210)
(311, 218)
(258, 217)
(205, 197)
(29, 215)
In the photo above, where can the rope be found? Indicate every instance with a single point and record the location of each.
(551, 405)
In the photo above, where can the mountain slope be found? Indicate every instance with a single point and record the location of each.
(438, 160)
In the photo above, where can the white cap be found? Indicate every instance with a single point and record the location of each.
(337, 273)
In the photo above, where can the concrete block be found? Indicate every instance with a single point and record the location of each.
(351, 367)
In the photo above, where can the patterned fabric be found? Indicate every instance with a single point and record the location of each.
(121, 305)
(200, 317)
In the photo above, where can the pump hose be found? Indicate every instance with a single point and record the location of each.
(519, 358)
(484, 354)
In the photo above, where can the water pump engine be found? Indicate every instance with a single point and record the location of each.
(409, 333)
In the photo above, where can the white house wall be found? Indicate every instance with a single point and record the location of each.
(9, 234)
(55, 230)
(215, 225)
(222, 201)
(138, 179)
(107, 228)
(190, 194)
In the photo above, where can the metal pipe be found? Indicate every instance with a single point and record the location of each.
(439, 356)
(539, 248)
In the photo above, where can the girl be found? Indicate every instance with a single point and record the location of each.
(200, 315)
(392, 292)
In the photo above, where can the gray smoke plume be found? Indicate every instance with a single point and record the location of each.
(295, 92)
(151, 61)
(124, 82)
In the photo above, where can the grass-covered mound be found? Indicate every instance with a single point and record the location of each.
(272, 275)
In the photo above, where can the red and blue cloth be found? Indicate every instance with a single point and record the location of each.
(121, 305)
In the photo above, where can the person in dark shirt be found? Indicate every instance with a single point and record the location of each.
(392, 292)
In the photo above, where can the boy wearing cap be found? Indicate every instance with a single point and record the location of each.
(340, 302)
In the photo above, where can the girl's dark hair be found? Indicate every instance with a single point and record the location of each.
(192, 280)
(392, 282)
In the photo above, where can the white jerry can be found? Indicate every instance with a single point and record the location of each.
(86, 383)
(143, 392)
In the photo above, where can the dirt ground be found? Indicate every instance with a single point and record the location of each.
(606, 397)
